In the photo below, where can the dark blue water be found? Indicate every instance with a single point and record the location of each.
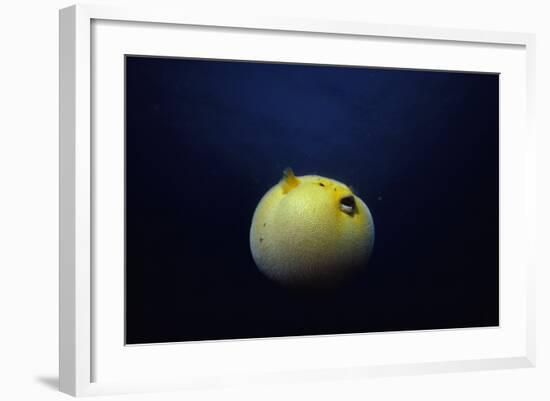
(206, 139)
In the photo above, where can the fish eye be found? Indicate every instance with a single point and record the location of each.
(347, 204)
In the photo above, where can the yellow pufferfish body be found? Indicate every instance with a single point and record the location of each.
(311, 231)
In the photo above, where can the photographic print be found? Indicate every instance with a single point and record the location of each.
(271, 199)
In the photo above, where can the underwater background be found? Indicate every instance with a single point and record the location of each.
(205, 139)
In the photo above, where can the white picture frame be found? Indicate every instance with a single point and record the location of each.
(82, 344)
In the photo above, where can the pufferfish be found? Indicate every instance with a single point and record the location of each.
(311, 232)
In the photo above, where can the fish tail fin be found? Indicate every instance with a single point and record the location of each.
(289, 181)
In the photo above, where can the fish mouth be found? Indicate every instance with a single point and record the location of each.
(347, 205)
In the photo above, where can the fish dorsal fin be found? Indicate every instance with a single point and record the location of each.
(289, 181)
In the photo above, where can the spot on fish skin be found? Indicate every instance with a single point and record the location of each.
(261, 239)
(264, 224)
(321, 184)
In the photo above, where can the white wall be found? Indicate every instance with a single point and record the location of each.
(29, 184)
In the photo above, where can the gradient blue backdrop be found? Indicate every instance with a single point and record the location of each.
(206, 139)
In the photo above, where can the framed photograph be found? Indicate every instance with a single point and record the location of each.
(271, 200)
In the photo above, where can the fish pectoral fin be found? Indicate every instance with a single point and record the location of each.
(289, 181)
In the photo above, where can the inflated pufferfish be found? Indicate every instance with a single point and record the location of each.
(311, 232)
